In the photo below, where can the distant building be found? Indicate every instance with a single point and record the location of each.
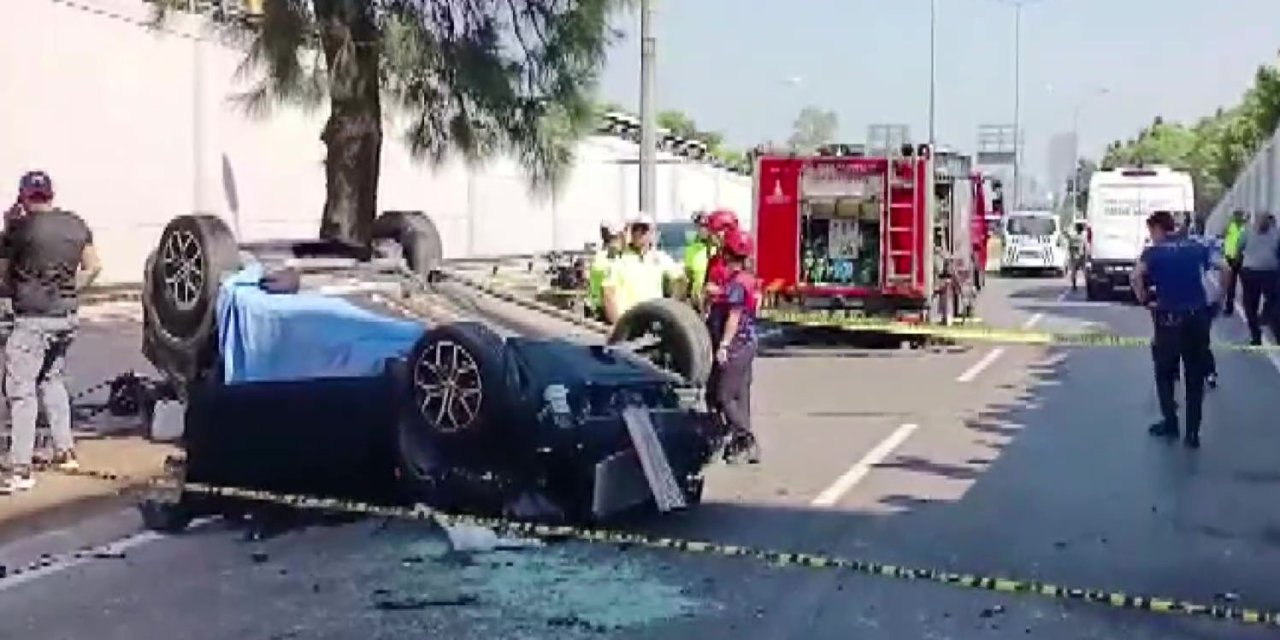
(1061, 161)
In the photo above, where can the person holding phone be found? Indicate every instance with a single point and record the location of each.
(47, 257)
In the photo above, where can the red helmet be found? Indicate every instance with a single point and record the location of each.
(738, 243)
(721, 220)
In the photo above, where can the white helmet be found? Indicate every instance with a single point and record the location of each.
(637, 217)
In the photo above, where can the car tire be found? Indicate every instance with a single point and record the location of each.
(417, 235)
(684, 342)
(1091, 291)
(458, 390)
(183, 276)
(151, 349)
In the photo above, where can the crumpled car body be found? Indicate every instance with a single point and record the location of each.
(317, 396)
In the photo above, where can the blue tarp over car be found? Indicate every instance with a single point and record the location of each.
(272, 337)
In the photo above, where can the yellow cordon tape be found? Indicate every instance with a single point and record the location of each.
(777, 558)
(979, 334)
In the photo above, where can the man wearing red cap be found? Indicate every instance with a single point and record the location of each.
(46, 258)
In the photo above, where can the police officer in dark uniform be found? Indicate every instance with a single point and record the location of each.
(1169, 280)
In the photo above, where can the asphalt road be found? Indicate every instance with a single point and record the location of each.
(1024, 462)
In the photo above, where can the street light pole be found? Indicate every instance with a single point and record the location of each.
(648, 113)
(1075, 145)
(199, 171)
(1017, 105)
(933, 72)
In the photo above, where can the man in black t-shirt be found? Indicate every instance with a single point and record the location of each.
(46, 258)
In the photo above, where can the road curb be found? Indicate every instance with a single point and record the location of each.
(62, 515)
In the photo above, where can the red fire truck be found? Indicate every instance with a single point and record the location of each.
(900, 235)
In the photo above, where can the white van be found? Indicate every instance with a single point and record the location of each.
(1119, 202)
(1033, 241)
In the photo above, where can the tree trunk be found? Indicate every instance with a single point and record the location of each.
(353, 134)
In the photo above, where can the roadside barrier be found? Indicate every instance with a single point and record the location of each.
(625, 540)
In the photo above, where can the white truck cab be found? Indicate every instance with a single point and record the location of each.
(1120, 200)
(1033, 242)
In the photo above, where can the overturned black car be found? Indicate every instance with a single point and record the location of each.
(354, 403)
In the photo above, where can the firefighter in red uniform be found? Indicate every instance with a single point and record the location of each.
(732, 325)
(719, 223)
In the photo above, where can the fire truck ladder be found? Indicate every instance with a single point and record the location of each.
(901, 204)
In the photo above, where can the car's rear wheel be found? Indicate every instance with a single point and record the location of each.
(683, 344)
(181, 279)
(194, 254)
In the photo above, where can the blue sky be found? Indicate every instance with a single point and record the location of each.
(727, 64)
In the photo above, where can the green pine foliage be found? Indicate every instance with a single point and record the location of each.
(1215, 149)
(454, 77)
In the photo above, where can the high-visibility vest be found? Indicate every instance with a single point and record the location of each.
(696, 257)
(601, 263)
(1231, 239)
(635, 278)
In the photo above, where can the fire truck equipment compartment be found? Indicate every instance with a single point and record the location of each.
(840, 242)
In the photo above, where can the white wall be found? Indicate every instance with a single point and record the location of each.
(1256, 188)
(132, 136)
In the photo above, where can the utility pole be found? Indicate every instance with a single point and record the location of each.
(1075, 144)
(1075, 157)
(199, 169)
(648, 113)
(933, 72)
(1017, 105)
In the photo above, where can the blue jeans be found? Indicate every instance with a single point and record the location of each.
(35, 371)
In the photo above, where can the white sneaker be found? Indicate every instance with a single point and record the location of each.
(17, 484)
(65, 461)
